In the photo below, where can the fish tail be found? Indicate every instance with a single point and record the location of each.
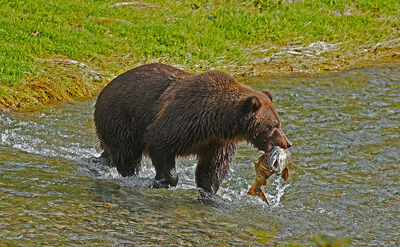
(260, 193)
(251, 191)
(262, 196)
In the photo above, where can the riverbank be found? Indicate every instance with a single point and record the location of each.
(59, 51)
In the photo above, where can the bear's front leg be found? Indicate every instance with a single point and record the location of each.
(164, 164)
(213, 165)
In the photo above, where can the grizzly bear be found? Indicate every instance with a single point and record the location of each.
(163, 112)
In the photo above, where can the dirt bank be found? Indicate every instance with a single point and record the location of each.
(80, 80)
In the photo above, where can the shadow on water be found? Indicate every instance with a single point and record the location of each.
(344, 182)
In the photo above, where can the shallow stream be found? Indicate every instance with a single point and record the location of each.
(344, 183)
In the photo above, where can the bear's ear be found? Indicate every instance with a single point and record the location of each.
(266, 92)
(252, 104)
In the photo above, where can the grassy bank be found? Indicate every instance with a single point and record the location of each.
(59, 50)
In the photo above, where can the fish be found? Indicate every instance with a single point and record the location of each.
(276, 161)
(280, 160)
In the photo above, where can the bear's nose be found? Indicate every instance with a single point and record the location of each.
(289, 144)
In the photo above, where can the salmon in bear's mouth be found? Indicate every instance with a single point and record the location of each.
(276, 161)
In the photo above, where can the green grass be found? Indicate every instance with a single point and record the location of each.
(197, 35)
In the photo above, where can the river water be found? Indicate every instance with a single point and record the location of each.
(343, 186)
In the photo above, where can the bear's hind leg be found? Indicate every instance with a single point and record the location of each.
(127, 159)
(213, 165)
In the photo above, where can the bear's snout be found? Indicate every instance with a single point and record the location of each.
(279, 139)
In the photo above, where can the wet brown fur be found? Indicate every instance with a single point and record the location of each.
(163, 112)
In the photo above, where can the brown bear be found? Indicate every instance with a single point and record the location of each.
(164, 112)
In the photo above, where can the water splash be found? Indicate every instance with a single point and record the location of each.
(274, 199)
(42, 136)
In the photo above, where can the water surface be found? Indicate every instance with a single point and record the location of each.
(344, 183)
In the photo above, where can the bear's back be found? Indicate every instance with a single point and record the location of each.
(132, 95)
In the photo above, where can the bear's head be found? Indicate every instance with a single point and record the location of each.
(265, 125)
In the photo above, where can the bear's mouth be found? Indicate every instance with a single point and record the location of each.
(268, 148)
(262, 144)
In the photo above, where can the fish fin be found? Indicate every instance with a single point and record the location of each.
(285, 174)
(262, 196)
(251, 191)
(255, 163)
(262, 170)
